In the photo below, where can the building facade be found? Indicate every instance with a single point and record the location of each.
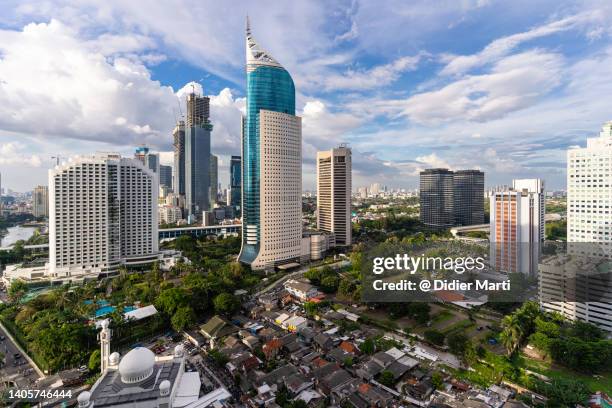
(334, 193)
(272, 164)
(589, 221)
(517, 226)
(468, 197)
(235, 191)
(197, 156)
(40, 201)
(165, 176)
(178, 135)
(102, 214)
(214, 179)
(436, 198)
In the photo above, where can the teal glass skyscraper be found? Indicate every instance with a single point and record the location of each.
(271, 179)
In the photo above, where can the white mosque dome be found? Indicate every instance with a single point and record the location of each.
(83, 399)
(179, 350)
(113, 359)
(164, 388)
(137, 365)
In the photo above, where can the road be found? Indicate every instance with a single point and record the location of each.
(297, 273)
(17, 370)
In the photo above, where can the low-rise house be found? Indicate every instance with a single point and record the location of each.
(277, 376)
(194, 337)
(349, 348)
(382, 358)
(295, 323)
(272, 348)
(306, 334)
(338, 355)
(334, 382)
(420, 390)
(216, 328)
(268, 301)
(323, 342)
(374, 396)
(297, 383)
(369, 369)
(251, 342)
(300, 290)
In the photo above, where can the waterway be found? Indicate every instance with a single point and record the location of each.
(14, 234)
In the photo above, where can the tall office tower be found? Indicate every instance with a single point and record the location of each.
(150, 160)
(40, 201)
(468, 197)
(589, 225)
(334, 193)
(517, 226)
(437, 198)
(363, 192)
(165, 176)
(375, 189)
(272, 164)
(197, 156)
(178, 134)
(102, 214)
(235, 191)
(214, 179)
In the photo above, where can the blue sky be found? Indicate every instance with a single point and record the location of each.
(504, 87)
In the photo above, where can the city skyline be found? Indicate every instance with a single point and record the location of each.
(509, 90)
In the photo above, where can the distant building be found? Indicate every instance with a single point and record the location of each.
(150, 160)
(436, 198)
(102, 214)
(468, 197)
(517, 226)
(178, 135)
(165, 176)
(197, 155)
(40, 201)
(334, 193)
(169, 214)
(315, 244)
(235, 191)
(451, 198)
(214, 179)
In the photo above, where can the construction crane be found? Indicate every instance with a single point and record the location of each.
(57, 159)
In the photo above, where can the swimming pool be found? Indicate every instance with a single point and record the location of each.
(110, 309)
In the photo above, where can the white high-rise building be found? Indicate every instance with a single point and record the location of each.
(334, 193)
(589, 222)
(102, 214)
(40, 201)
(517, 226)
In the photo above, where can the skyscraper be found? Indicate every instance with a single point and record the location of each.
(150, 160)
(214, 179)
(517, 226)
(178, 135)
(102, 214)
(334, 193)
(468, 197)
(236, 184)
(165, 176)
(40, 201)
(436, 198)
(589, 226)
(197, 155)
(272, 167)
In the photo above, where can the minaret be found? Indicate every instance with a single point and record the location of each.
(105, 339)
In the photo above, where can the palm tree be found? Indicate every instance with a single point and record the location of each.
(513, 333)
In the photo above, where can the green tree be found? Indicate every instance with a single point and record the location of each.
(434, 336)
(94, 361)
(183, 318)
(368, 346)
(386, 378)
(169, 300)
(226, 303)
(564, 393)
(329, 283)
(436, 380)
(17, 290)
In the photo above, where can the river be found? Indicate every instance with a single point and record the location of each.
(14, 234)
